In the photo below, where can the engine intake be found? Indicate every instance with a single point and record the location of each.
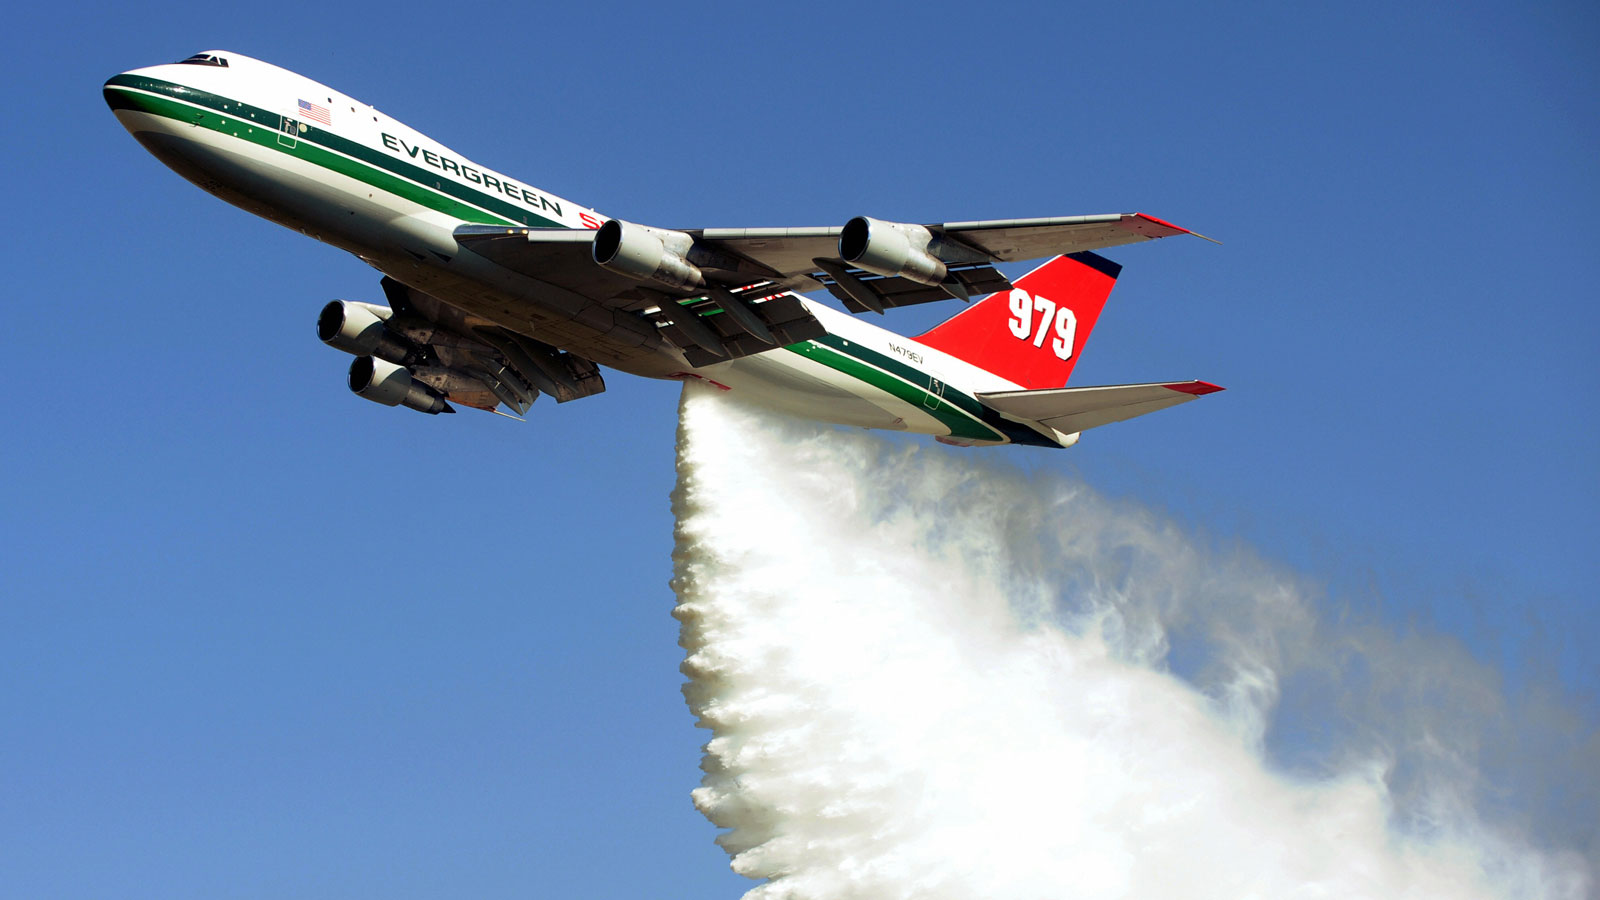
(648, 254)
(359, 329)
(389, 384)
(891, 249)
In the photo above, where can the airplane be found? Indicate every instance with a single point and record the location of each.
(499, 292)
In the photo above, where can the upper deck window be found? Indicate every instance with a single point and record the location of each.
(204, 59)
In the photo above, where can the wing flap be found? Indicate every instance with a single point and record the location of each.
(564, 376)
(1071, 410)
(716, 326)
(785, 317)
(887, 293)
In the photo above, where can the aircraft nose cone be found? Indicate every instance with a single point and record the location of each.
(109, 91)
(130, 92)
(116, 92)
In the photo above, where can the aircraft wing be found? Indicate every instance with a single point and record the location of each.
(793, 250)
(971, 248)
(1071, 410)
(721, 293)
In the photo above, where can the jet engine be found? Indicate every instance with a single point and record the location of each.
(359, 329)
(392, 385)
(648, 254)
(892, 249)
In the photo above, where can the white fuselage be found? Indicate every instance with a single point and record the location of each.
(311, 158)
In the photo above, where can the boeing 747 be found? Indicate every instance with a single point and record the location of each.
(498, 292)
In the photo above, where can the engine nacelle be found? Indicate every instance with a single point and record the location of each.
(648, 254)
(359, 328)
(891, 249)
(389, 384)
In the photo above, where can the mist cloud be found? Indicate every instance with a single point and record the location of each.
(927, 675)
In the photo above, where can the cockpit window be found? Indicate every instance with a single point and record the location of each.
(204, 59)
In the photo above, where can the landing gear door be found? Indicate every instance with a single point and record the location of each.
(289, 129)
(935, 393)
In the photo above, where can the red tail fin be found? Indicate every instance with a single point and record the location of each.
(1032, 334)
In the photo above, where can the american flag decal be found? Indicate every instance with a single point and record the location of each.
(314, 112)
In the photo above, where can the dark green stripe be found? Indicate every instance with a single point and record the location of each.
(385, 172)
(969, 405)
(844, 358)
(956, 409)
(263, 136)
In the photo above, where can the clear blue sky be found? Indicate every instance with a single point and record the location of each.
(260, 638)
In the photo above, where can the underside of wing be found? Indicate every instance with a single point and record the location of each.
(1014, 240)
(456, 357)
(732, 325)
(559, 256)
(873, 265)
(729, 309)
(723, 293)
(862, 291)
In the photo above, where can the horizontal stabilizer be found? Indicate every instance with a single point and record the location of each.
(1071, 410)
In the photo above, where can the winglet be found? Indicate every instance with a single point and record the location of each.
(1152, 227)
(1197, 388)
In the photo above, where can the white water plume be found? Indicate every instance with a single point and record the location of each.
(929, 676)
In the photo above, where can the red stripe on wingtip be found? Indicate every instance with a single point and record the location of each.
(1150, 226)
(1194, 387)
(1163, 222)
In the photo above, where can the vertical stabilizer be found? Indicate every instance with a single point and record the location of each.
(1032, 334)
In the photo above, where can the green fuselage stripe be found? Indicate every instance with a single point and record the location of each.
(261, 127)
(962, 413)
(867, 366)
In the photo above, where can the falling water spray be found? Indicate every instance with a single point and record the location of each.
(926, 675)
